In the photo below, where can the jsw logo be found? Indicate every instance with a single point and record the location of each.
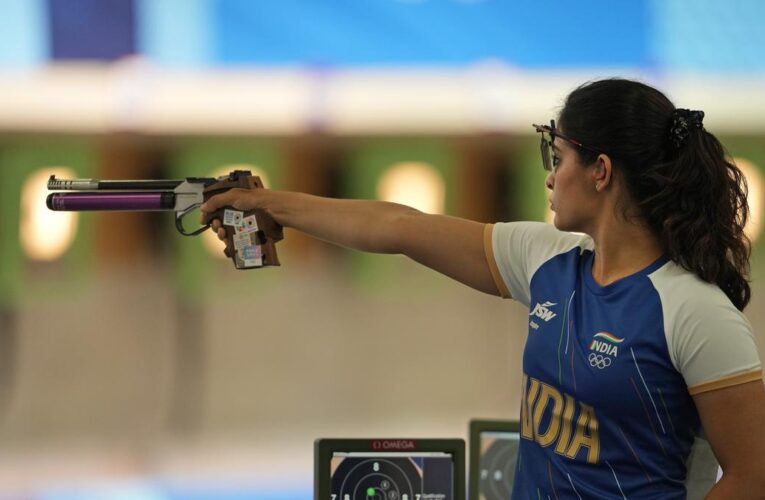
(542, 311)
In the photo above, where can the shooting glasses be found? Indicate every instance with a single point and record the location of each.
(546, 145)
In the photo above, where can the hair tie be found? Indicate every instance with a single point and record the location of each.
(683, 120)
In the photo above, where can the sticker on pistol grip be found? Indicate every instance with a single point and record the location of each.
(253, 255)
(243, 240)
(250, 224)
(232, 217)
(238, 260)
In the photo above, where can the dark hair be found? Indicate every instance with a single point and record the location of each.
(693, 197)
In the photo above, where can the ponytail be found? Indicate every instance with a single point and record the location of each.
(699, 211)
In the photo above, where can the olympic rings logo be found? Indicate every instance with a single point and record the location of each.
(599, 361)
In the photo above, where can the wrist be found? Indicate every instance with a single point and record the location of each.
(277, 204)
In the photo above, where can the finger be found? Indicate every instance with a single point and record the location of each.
(232, 197)
(221, 234)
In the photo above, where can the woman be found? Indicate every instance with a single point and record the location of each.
(636, 337)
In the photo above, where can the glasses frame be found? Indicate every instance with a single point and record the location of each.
(546, 146)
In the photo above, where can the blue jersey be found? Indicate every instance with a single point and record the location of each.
(609, 371)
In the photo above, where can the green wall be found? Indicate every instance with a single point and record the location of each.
(527, 189)
(19, 158)
(752, 149)
(192, 263)
(366, 163)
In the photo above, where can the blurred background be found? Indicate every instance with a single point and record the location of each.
(138, 364)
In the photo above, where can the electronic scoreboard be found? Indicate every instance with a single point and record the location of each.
(389, 469)
(493, 458)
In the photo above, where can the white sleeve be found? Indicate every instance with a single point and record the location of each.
(710, 341)
(515, 250)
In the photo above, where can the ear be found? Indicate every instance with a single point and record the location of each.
(602, 173)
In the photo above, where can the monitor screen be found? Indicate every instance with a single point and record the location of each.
(493, 458)
(390, 469)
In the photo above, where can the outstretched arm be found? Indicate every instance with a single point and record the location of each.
(449, 245)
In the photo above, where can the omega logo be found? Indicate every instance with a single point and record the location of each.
(393, 444)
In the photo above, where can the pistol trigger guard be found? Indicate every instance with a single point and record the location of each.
(179, 224)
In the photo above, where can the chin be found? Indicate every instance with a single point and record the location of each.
(562, 225)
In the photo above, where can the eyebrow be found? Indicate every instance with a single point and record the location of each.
(555, 147)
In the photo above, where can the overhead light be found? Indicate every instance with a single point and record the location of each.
(45, 235)
(756, 183)
(415, 184)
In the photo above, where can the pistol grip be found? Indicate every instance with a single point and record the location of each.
(246, 243)
(264, 230)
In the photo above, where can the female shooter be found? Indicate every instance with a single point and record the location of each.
(647, 344)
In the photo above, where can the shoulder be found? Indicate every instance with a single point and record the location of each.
(709, 340)
(516, 250)
(684, 296)
(537, 236)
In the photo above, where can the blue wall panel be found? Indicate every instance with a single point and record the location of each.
(709, 35)
(665, 35)
(23, 32)
(547, 33)
(175, 32)
(91, 29)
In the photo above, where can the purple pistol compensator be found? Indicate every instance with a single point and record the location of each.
(111, 201)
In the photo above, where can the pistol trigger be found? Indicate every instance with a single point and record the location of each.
(179, 216)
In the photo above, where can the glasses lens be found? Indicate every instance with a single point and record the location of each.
(546, 148)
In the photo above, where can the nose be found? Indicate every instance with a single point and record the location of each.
(549, 181)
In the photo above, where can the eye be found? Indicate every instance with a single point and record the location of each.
(555, 160)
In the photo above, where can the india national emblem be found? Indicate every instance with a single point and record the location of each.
(604, 347)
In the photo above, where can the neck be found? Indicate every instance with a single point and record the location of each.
(621, 249)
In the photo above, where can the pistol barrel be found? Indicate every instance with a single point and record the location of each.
(129, 201)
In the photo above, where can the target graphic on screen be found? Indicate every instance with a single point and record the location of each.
(497, 467)
(395, 478)
(389, 469)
